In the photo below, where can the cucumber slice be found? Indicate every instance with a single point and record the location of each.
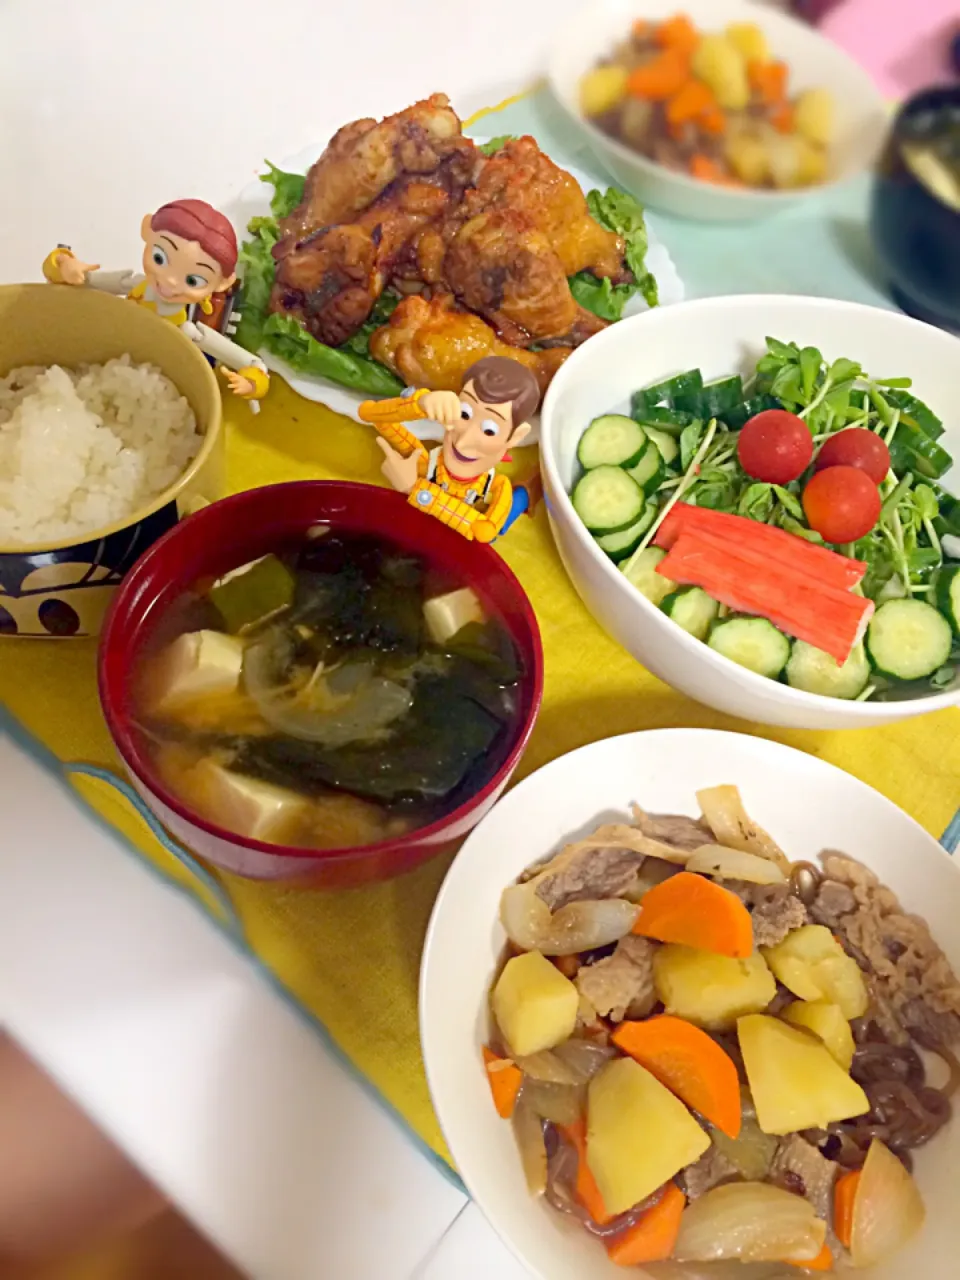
(666, 443)
(948, 595)
(611, 441)
(643, 575)
(912, 450)
(736, 416)
(664, 419)
(753, 643)
(620, 545)
(692, 609)
(908, 639)
(668, 391)
(916, 412)
(814, 671)
(714, 399)
(607, 500)
(649, 470)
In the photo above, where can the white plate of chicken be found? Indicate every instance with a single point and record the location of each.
(409, 251)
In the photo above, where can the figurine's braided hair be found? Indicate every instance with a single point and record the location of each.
(198, 221)
(500, 380)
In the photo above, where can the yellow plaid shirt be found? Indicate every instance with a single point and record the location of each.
(453, 502)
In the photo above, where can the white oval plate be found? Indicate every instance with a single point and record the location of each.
(806, 804)
(254, 201)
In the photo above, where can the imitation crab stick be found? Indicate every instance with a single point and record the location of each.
(690, 1063)
(776, 544)
(748, 581)
(505, 1080)
(696, 912)
(654, 1236)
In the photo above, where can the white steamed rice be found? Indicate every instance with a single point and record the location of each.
(80, 449)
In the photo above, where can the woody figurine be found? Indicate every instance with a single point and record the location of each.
(189, 257)
(458, 482)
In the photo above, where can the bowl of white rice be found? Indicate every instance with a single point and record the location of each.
(109, 433)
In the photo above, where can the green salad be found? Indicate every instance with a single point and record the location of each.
(795, 521)
(351, 364)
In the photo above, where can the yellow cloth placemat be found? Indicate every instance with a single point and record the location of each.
(350, 959)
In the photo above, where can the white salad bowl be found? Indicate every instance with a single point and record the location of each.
(814, 61)
(723, 336)
(805, 804)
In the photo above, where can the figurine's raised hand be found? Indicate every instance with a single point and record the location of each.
(239, 385)
(73, 271)
(442, 407)
(400, 473)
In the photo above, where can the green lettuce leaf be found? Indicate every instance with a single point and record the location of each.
(287, 338)
(258, 268)
(622, 214)
(494, 145)
(287, 189)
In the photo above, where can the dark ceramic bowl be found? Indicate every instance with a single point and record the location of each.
(229, 533)
(917, 236)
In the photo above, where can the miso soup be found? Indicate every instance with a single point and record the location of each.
(334, 693)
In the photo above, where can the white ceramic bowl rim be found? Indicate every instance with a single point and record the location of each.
(723, 308)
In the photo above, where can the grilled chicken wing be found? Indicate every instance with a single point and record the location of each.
(520, 177)
(433, 344)
(365, 157)
(332, 279)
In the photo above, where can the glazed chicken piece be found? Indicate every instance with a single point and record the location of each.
(433, 344)
(501, 265)
(520, 177)
(365, 157)
(332, 279)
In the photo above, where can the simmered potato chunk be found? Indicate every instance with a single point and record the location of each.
(709, 990)
(795, 1081)
(813, 116)
(603, 89)
(811, 963)
(534, 1004)
(638, 1134)
(722, 67)
(826, 1021)
(750, 40)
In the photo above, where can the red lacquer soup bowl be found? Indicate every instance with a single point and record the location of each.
(230, 533)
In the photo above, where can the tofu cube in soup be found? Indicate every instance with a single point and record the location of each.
(534, 1004)
(795, 1081)
(638, 1134)
(447, 614)
(261, 809)
(197, 665)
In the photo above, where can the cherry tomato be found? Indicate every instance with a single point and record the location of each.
(775, 446)
(842, 504)
(855, 447)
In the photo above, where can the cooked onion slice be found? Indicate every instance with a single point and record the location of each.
(728, 820)
(528, 1129)
(549, 1068)
(579, 926)
(750, 1221)
(586, 1057)
(887, 1211)
(561, 1103)
(733, 864)
(751, 1152)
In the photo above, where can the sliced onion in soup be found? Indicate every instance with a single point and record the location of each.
(579, 926)
(752, 1222)
(887, 1209)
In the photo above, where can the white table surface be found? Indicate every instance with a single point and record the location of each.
(113, 981)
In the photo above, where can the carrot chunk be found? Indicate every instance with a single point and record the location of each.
(660, 78)
(768, 80)
(505, 1079)
(689, 1063)
(586, 1189)
(678, 32)
(654, 1237)
(714, 122)
(783, 118)
(691, 102)
(706, 169)
(844, 1194)
(696, 912)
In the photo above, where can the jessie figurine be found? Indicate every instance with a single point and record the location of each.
(458, 483)
(189, 255)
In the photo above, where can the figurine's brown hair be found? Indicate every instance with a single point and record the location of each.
(500, 380)
(196, 220)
